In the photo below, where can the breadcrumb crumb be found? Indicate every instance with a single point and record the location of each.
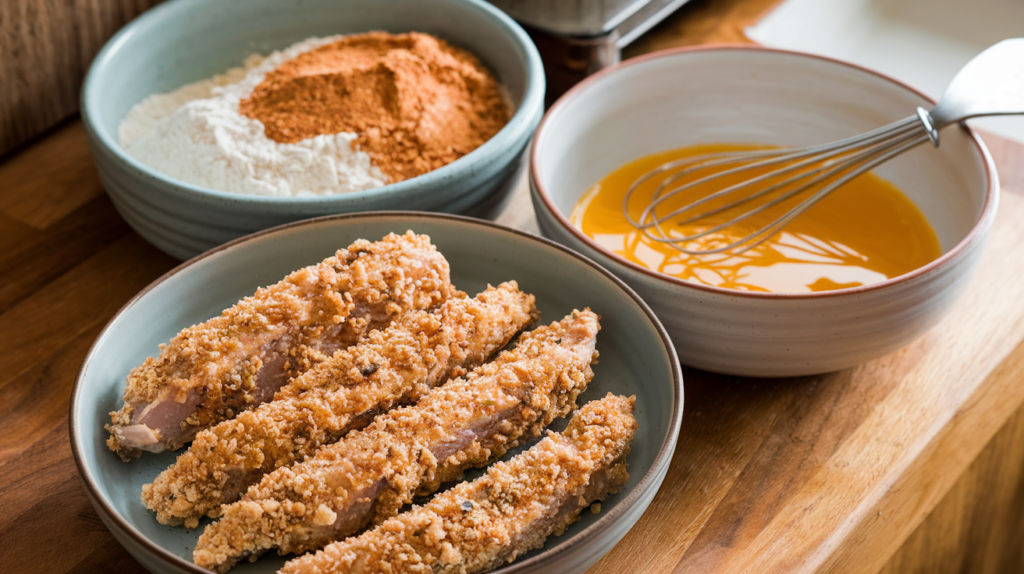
(211, 371)
(370, 474)
(480, 525)
(391, 366)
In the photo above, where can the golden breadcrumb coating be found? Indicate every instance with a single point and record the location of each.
(480, 525)
(210, 372)
(391, 366)
(370, 474)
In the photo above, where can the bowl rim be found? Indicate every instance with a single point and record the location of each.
(531, 106)
(976, 233)
(656, 472)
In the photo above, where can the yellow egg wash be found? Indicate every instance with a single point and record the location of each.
(865, 232)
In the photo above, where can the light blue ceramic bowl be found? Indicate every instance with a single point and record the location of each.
(183, 41)
(637, 358)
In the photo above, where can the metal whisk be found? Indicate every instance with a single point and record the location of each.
(990, 84)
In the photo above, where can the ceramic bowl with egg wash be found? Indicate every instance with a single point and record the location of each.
(696, 96)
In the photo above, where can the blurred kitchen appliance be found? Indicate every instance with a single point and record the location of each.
(579, 37)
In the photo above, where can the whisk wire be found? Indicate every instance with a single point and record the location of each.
(841, 159)
(770, 230)
(664, 238)
(820, 153)
(992, 83)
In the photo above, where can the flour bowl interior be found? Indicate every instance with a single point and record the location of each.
(756, 95)
(184, 41)
(636, 358)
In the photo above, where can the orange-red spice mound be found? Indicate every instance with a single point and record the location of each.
(415, 102)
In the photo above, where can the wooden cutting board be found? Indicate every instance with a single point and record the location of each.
(833, 473)
(824, 473)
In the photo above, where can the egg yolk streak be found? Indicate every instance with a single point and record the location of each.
(865, 232)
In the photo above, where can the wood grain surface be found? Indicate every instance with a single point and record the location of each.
(45, 49)
(910, 463)
(979, 526)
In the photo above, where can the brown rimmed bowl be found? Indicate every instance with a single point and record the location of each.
(751, 94)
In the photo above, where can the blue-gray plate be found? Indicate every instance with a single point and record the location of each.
(184, 41)
(637, 358)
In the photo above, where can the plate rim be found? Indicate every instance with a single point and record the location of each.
(655, 474)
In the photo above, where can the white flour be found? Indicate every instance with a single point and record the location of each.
(195, 134)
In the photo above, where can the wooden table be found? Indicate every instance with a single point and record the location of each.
(910, 463)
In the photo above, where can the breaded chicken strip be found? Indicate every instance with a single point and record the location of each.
(210, 372)
(370, 474)
(392, 366)
(480, 525)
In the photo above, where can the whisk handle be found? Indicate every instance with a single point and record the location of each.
(991, 84)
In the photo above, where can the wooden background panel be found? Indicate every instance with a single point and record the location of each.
(45, 49)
